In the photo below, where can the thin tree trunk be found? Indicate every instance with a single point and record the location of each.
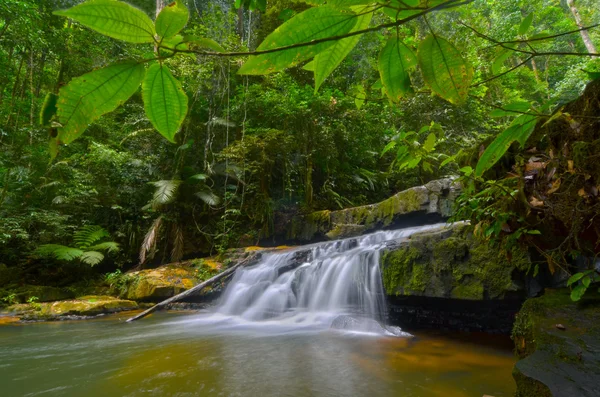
(249, 260)
(584, 33)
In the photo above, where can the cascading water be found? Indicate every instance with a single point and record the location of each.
(334, 284)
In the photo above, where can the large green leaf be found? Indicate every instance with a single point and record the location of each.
(519, 130)
(114, 19)
(395, 60)
(326, 62)
(92, 258)
(88, 97)
(60, 252)
(172, 19)
(313, 24)
(164, 100)
(165, 192)
(444, 69)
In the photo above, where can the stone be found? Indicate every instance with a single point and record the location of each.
(451, 263)
(84, 306)
(554, 361)
(434, 198)
(160, 283)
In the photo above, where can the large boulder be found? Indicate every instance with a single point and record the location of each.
(558, 342)
(153, 285)
(433, 198)
(451, 263)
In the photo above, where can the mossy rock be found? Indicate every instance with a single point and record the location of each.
(556, 361)
(434, 197)
(160, 283)
(451, 263)
(85, 306)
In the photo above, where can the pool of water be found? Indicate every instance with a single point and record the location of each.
(184, 355)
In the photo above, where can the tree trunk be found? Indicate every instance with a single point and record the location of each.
(247, 261)
(584, 33)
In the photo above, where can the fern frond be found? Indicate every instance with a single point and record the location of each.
(60, 252)
(88, 235)
(92, 258)
(165, 192)
(149, 242)
(108, 246)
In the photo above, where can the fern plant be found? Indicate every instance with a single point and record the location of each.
(90, 246)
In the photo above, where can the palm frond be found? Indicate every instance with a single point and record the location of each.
(92, 258)
(89, 235)
(198, 177)
(108, 246)
(60, 252)
(149, 243)
(165, 192)
(208, 196)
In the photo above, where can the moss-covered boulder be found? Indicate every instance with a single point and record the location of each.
(451, 263)
(558, 341)
(436, 197)
(160, 283)
(84, 306)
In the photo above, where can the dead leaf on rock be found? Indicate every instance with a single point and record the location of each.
(536, 203)
(555, 186)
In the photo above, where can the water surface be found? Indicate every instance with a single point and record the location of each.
(186, 355)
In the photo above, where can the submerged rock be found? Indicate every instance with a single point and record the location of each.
(555, 361)
(85, 306)
(367, 325)
(435, 197)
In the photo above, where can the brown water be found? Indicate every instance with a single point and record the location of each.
(176, 355)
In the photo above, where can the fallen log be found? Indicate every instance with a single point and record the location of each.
(244, 262)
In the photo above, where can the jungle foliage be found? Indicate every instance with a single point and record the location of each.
(264, 109)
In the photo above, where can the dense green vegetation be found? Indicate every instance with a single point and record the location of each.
(184, 129)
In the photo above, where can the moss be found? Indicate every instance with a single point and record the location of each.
(529, 387)
(472, 291)
(84, 306)
(398, 271)
(448, 251)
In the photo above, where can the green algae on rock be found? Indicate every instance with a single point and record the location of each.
(434, 197)
(450, 263)
(160, 283)
(84, 306)
(563, 360)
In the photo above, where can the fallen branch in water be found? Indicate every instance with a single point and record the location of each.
(244, 262)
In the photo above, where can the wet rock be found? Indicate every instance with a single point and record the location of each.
(83, 307)
(365, 324)
(160, 283)
(435, 197)
(451, 263)
(558, 362)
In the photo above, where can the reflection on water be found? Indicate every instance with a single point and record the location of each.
(170, 355)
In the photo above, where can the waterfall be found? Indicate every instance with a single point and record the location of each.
(335, 283)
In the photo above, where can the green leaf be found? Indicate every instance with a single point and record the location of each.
(92, 258)
(310, 66)
(172, 19)
(59, 252)
(203, 42)
(388, 147)
(326, 62)
(444, 69)
(48, 109)
(534, 232)
(208, 197)
(586, 281)
(430, 142)
(360, 97)
(313, 24)
(164, 100)
(512, 109)
(108, 246)
(165, 192)
(89, 235)
(113, 19)
(519, 130)
(526, 24)
(574, 278)
(395, 60)
(88, 97)
(500, 58)
(578, 292)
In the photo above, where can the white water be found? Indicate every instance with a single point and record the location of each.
(335, 283)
